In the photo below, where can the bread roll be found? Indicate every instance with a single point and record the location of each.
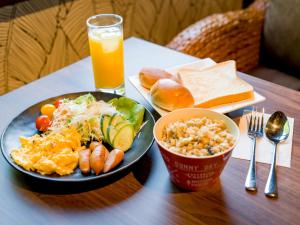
(148, 76)
(170, 95)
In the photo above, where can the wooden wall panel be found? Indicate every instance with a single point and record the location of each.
(38, 37)
(47, 39)
(120, 7)
(5, 22)
(30, 42)
(74, 26)
(160, 20)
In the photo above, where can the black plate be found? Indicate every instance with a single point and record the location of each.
(24, 125)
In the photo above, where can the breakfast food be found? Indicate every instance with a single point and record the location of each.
(195, 145)
(210, 84)
(114, 158)
(216, 85)
(97, 158)
(93, 145)
(84, 160)
(195, 66)
(73, 134)
(170, 95)
(197, 137)
(149, 76)
(47, 154)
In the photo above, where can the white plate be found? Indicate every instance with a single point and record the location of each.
(221, 108)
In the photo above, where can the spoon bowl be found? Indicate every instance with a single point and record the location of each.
(277, 130)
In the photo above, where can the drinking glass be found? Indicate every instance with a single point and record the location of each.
(105, 32)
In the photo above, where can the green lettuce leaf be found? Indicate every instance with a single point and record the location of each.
(87, 99)
(132, 111)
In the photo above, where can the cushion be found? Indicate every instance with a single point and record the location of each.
(282, 33)
(276, 76)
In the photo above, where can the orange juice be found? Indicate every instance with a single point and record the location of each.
(106, 49)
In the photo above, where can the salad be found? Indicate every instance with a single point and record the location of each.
(115, 122)
(96, 125)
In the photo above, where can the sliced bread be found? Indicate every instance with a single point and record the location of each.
(216, 85)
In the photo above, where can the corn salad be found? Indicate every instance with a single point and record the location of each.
(197, 137)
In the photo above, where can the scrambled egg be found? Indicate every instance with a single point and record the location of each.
(49, 153)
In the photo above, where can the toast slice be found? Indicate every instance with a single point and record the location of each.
(216, 85)
(195, 66)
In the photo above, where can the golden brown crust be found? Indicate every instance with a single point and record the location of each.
(170, 95)
(148, 76)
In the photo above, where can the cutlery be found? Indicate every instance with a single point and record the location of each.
(277, 130)
(255, 130)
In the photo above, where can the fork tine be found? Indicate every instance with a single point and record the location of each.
(250, 123)
(262, 120)
(258, 122)
(254, 127)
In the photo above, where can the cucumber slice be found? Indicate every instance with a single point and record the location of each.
(113, 130)
(115, 119)
(122, 124)
(124, 138)
(104, 123)
(111, 133)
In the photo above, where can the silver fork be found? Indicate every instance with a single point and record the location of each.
(255, 130)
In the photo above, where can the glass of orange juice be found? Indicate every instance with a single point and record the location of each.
(105, 33)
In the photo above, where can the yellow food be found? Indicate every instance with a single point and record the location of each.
(48, 109)
(56, 152)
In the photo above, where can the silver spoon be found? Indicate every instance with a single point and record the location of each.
(277, 130)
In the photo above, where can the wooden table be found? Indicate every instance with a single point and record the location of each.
(144, 194)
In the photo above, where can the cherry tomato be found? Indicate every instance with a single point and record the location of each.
(57, 103)
(42, 123)
(48, 110)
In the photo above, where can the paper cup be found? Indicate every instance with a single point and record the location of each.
(194, 173)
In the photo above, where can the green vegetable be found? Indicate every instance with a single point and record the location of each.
(113, 129)
(104, 123)
(115, 119)
(131, 110)
(114, 101)
(65, 100)
(123, 138)
(87, 99)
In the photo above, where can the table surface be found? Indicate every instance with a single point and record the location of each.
(144, 194)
